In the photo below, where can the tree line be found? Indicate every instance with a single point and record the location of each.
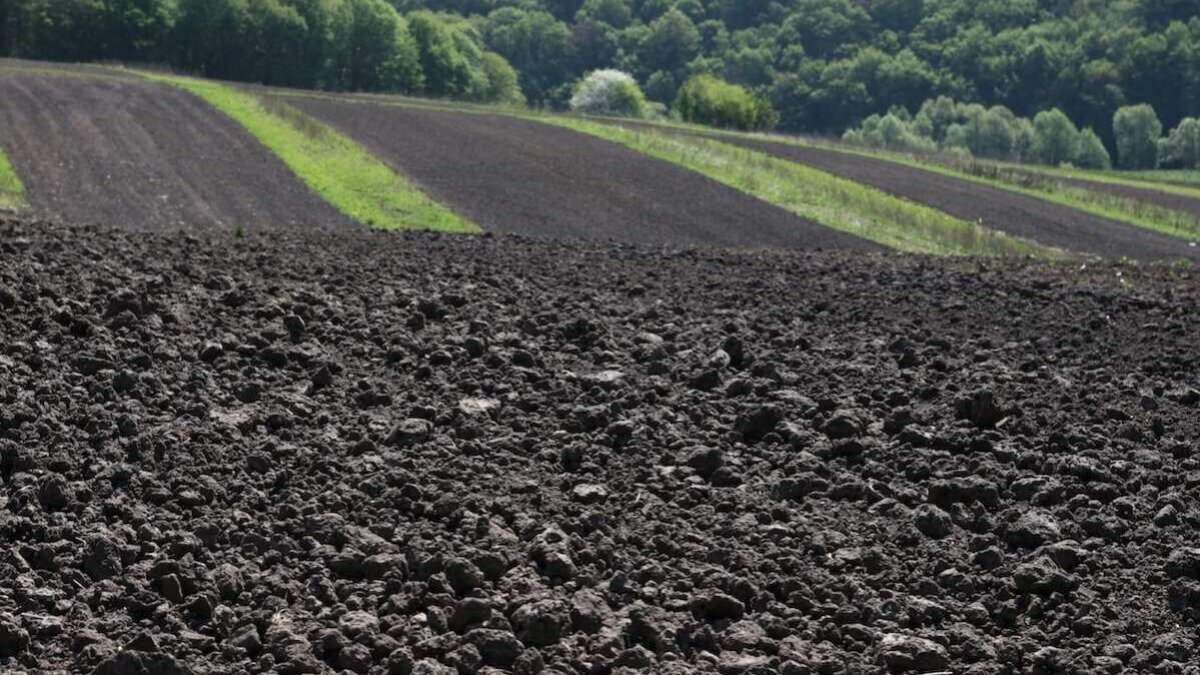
(823, 65)
(1050, 138)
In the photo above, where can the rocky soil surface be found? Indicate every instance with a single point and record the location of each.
(392, 454)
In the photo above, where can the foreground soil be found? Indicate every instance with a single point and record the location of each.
(1016, 214)
(517, 176)
(391, 454)
(129, 153)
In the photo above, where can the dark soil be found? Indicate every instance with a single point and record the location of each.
(309, 452)
(518, 176)
(1018, 215)
(135, 154)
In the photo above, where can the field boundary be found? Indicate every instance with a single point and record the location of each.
(834, 202)
(334, 167)
(12, 190)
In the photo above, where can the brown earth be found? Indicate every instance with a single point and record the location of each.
(410, 454)
(1018, 215)
(136, 154)
(519, 176)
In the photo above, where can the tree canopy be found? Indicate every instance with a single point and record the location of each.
(824, 65)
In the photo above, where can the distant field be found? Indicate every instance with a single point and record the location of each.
(99, 144)
(516, 175)
(819, 196)
(337, 169)
(136, 154)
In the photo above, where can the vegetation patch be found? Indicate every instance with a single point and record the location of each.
(12, 191)
(1042, 185)
(334, 167)
(834, 202)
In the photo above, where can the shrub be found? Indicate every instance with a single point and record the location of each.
(705, 99)
(609, 92)
(1091, 153)
(1137, 129)
(890, 131)
(1055, 138)
(1181, 148)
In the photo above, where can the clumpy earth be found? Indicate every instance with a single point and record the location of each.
(391, 454)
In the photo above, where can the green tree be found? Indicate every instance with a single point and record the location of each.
(536, 44)
(615, 13)
(1181, 148)
(1091, 153)
(1137, 130)
(672, 42)
(705, 99)
(446, 70)
(503, 81)
(1056, 140)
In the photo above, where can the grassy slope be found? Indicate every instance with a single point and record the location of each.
(334, 167)
(831, 201)
(12, 191)
(1129, 211)
(1132, 212)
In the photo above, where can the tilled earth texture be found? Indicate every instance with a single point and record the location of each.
(129, 153)
(308, 453)
(525, 177)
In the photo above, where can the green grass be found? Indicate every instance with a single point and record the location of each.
(12, 191)
(1024, 181)
(834, 202)
(334, 167)
(1033, 181)
(1187, 178)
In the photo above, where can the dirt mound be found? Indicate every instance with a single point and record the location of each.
(518, 176)
(133, 154)
(353, 451)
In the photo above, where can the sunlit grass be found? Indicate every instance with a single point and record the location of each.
(337, 169)
(12, 191)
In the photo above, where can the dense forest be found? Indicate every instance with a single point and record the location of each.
(824, 65)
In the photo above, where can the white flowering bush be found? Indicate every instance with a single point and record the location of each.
(609, 92)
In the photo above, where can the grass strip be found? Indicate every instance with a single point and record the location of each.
(1189, 179)
(834, 202)
(1121, 209)
(336, 168)
(12, 191)
(1022, 179)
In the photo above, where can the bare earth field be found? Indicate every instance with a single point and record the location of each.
(140, 155)
(519, 176)
(1016, 214)
(347, 451)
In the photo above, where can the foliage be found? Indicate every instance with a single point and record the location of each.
(1181, 148)
(825, 65)
(705, 99)
(609, 92)
(12, 191)
(1091, 153)
(1137, 130)
(334, 167)
(974, 131)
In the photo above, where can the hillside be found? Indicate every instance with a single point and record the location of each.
(123, 151)
(149, 150)
(824, 64)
